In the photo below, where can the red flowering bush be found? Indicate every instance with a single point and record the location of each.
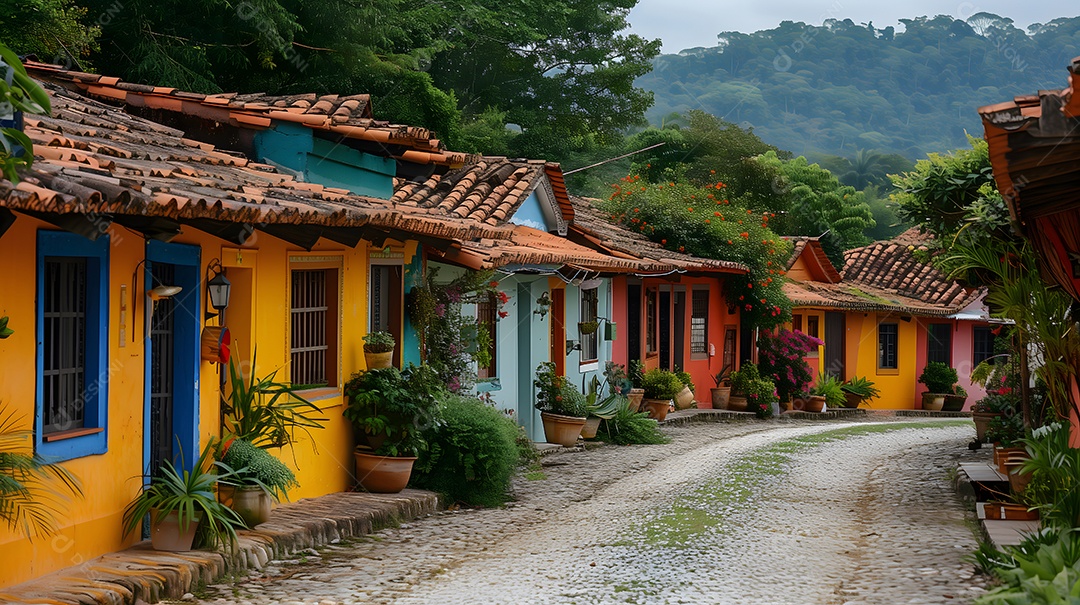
(667, 214)
(780, 357)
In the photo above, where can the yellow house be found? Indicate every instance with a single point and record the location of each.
(886, 316)
(109, 244)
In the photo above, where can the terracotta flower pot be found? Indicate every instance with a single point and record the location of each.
(563, 430)
(167, 534)
(1008, 511)
(251, 503)
(933, 401)
(592, 424)
(982, 424)
(954, 403)
(657, 408)
(815, 403)
(383, 474)
(851, 400)
(720, 397)
(1018, 481)
(685, 399)
(1004, 454)
(737, 403)
(376, 361)
(635, 397)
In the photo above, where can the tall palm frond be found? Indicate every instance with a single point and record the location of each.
(33, 491)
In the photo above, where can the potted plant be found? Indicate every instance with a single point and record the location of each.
(955, 400)
(389, 407)
(939, 379)
(990, 407)
(721, 394)
(761, 397)
(827, 392)
(859, 390)
(684, 399)
(741, 382)
(263, 411)
(256, 478)
(562, 406)
(179, 500)
(660, 387)
(602, 407)
(637, 381)
(378, 350)
(1007, 434)
(588, 327)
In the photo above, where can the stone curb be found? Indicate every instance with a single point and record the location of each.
(708, 415)
(142, 574)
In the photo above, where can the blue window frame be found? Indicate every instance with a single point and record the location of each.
(70, 418)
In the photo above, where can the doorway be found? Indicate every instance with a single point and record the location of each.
(558, 331)
(835, 335)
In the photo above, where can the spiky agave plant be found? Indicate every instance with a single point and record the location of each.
(33, 491)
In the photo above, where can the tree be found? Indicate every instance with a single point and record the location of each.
(55, 30)
(817, 204)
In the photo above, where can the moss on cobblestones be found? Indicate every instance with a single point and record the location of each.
(726, 503)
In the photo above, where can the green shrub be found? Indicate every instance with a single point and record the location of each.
(471, 455)
(760, 395)
(557, 395)
(741, 379)
(256, 466)
(830, 387)
(686, 379)
(938, 377)
(661, 384)
(628, 428)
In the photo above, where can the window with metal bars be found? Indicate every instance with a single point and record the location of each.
(313, 327)
(64, 342)
(650, 321)
(888, 345)
(589, 342)
(939, 343)
(72, 345)
(699, 324)
(486, 321)
(983, 344)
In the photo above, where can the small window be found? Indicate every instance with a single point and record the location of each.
(888, 344)
(699, 324)
(939, 343)
(589, 342)
(796, 323)
(983, 341)
(812, 326)
(314, 324)
(72, 386)
(650, 322)
(730, 338)
(486, 321)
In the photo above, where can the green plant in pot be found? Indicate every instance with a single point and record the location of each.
(760, 397)
(661, 386)
(684, 399)
(636, 375)
(390, 409)
(255, 478)
(955, 399)
(741, 381)
(939, 379)
(563, 407)
(721, 393)
(606, 399)
(265, 412)
(379, 350)
(178, 501)
(859, 390)
(828, 390)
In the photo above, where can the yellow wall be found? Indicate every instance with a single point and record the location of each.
(897, 386)
(259, 311)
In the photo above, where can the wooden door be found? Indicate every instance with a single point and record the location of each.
(558, 331)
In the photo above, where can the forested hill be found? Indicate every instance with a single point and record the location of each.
(840, 87)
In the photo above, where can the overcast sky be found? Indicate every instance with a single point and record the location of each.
(688, 23)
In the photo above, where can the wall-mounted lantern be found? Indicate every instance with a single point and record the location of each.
(218, 289)
(543, 305)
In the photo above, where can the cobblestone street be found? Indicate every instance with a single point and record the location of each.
(777, 513)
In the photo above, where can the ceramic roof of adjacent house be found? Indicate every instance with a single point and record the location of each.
(97, 164)
(593, 227)
(814, 257)
(349, 115)
(488, 191)
(859, 297)
(96, 160)
(1034, 144)
(891, 266)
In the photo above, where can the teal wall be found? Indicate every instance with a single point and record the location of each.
(319, 161)
(414, 276)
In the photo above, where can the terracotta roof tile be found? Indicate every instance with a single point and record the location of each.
(349, 116)
(859, 297)
(891, 267)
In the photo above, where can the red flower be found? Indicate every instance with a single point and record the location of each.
(503, 298)
(503, 314)
(493, 284)
(663, 242)
(745, 234)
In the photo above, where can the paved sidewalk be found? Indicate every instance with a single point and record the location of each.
(141, 573)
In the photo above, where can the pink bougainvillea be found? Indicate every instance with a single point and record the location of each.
(780, 358)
